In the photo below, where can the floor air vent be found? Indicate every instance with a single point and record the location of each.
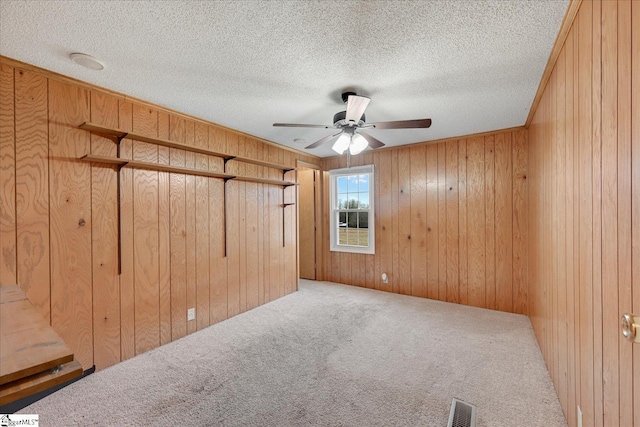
(462, 414)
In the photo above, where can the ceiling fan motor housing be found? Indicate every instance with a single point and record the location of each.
(339, 120)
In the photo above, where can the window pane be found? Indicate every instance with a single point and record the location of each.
(363, 201)
(363, 220)
(353, 201)
(342, 219)
(352, 220)
(353, 184)
(342, 184)
(342, 201)
(363, 181)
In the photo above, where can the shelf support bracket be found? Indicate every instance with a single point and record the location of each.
(225, 160)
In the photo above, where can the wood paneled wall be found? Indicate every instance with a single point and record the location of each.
(58, 219)
(451, 222)
(584, 212)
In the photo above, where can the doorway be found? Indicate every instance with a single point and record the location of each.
(308, 196)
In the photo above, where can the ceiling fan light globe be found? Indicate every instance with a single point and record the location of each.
(342, 143)
(358, 144)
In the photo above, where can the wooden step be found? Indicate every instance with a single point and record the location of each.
(33, 357)
(39, 382)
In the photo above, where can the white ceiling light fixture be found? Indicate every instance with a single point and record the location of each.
(87, 61)
(358, 144)
(342, 143)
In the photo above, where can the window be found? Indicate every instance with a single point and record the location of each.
(352, 222)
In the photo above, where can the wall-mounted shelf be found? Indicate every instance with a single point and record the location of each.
(154, 166)
(179, 169)
(119, 135)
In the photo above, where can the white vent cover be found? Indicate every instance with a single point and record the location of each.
(462, 414)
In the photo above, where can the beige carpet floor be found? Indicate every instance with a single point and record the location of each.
(327, 355)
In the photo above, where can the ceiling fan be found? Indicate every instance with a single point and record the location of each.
(351, 123)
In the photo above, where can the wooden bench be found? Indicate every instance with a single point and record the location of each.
(33, 357)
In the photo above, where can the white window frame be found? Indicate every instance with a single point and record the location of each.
(334, 211)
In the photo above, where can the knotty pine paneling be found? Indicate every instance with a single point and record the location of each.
(56, 208)
(450, 222)
(31, 147)
(7, 176)
(70, 219)
(145, 230)
(104, 237)
(583, 202)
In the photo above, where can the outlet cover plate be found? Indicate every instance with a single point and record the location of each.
(191, 314)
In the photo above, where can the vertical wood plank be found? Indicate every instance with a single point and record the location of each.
(127, 294)
(202, 230)
(261, 227)
(164, 232)
(7, 177)
(504, 222)
(145, 239)
(32, 189)
(561, 287)
(242, 226)
(218, 266)
(104, 238)
(586, 214)
(610, 333)
(433, 226)
(476, 220)
(635, 190)
(266, 236)
(452, 208)
(251, 233)
(190, 199)
(178, 242)
(419, 227)
(490, 222)
(404, 227)
(570, 410)
(70, 220)
(442, 224)
(385, 218)
(519, 162)
(596, 132)
(628, 402)
(395, 207)
(232, 202)
(462, 221)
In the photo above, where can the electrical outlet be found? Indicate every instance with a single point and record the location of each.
(579, 416)
(385, 278)
(191, 314)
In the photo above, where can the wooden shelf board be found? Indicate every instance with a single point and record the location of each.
(29, 345)
(263, 163)
(102, 130)
(103, 159)
(39, 382)
(155, 166)
(265, 181)
(159, 141)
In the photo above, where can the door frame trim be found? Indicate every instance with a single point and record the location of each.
(319, 188)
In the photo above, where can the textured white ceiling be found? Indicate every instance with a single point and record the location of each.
(471, 66)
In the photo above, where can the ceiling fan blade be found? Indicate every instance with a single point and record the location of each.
(373, 142)
(299, 125)
(402, 124)
(322, 141)
(355, 107)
